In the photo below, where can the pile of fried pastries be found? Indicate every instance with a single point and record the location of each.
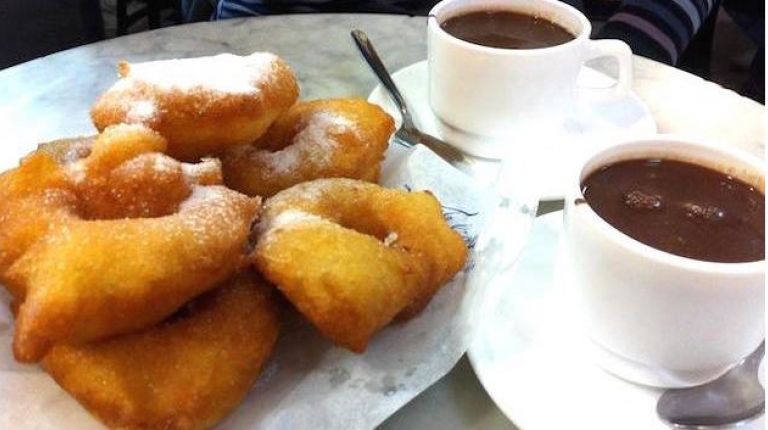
(145, 263)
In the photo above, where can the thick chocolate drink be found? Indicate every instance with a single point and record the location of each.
(681, 208)
(506, 29)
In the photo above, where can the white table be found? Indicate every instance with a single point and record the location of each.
(50, 97)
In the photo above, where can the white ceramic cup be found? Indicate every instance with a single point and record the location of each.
(499, 92)
(656, 318)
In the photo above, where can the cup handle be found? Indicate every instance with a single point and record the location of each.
(623, 55)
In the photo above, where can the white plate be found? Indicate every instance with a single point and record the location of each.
(309, 383)
(535, 364)
(598, 122)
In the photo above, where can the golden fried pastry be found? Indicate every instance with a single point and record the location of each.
(126, 175)
(200, 105)
(49, 189)
(351, 255)
(187, 373)
(85, 264)
(335, 138)
(35, 198)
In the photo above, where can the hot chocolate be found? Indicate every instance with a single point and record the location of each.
(681, 208)
(506, 29)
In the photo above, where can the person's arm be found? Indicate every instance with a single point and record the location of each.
(237, 8)
(658, 29)
(226, 9)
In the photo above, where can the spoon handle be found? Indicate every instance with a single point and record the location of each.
(372, 58)
(752, 361)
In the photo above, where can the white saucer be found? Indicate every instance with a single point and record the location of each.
(599, 121)
(535, 364)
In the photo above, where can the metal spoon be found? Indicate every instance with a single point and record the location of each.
(731, 399)
(408, 134)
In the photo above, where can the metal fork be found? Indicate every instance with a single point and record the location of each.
(408, 134)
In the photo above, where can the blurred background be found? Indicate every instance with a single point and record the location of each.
(721, 51)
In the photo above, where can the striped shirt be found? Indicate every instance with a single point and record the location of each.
(658, 29)
(237, 8)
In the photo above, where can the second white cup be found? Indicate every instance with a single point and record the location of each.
(499, 92)
(656, 318)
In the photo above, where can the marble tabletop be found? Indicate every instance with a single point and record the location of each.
(49, 98)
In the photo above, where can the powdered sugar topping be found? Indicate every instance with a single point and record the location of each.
(288, 218)
(76, 171)
(206, 170)
(390, 239)
(75, 150)
(315, 190)
(315, 143)
(320, 126)
(202, 196)
(140, 111)
(215, 211)
(161, 162)
(224, 73)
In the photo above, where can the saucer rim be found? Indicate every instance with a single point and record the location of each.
(378, 94)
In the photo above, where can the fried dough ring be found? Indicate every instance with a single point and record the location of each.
(351, 255)
(200, 105)
(84, 270)
(187, 372)
(48, 189)
(334, 138)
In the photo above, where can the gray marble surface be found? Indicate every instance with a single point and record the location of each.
(49, 98)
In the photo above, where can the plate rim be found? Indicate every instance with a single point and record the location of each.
(484, 376)
(472, 353)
